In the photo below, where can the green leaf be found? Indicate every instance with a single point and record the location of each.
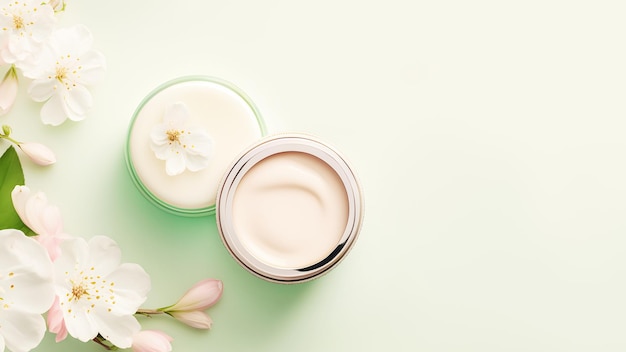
(11, 175)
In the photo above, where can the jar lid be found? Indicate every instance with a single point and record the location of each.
(218, 107)
(289, 209)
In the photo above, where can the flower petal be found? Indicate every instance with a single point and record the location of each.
(93, 68)
(26, 280)
(200, 296)
(104, 252)
(196, 162)
(175, 164)
(80, 324)
(54, 112)
(196, 319)
(198, 142)
(56, 324)
(152, 341)
(19, 196)
(79, 101)
(38, 153)
(118, 329)
(22, 331)
(8, 91)
(176, 114)
(131, 286)
(41, 89)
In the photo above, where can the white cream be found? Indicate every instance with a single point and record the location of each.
(290, 210)
(224, 114)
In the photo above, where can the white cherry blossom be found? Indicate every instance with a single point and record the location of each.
(66, 67)
(26, 291)
(24, 26)
(96, 294)
(181, 146)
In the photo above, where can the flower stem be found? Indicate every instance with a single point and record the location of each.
(100, 341)
(5, 132)
(149, 312)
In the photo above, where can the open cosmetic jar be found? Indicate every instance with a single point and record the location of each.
(288, 207)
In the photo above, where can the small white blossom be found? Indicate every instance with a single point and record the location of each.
(26, 291)
(24, 26)
(182, 147)
(97, 294)
(67, 66)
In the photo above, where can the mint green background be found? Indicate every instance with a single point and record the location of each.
(488, 136)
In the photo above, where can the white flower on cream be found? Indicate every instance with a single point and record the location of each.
(67, 66)
(26, 291)
(97, 295)
(182, 147)
(24, 26)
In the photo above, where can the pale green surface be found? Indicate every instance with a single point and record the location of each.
(489, 139)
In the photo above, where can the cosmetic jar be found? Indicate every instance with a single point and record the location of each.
(219, 107)
(288, 207)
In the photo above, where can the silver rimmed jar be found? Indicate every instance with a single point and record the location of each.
(289, 209)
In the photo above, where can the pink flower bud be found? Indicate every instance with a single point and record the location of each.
(39, 153)
(190, 307)
(8, 91)
(151, 341)
(194, 318)
(201, 296)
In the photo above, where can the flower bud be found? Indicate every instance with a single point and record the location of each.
(8, 91)
(39, 153)
(190, 307)
(151, 341)
(6, 130)
(201, 296)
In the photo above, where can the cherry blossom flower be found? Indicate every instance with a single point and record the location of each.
(8, 91)
(44, 219)
(191, 306)
(24, 26)
(67, 66)
(182, 147)
(97, 295)
(151, 341)
(26, 291)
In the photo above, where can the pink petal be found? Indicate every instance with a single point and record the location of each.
(8, 91)
(38, 153)
(56, 324)
(196, 319)
(201, 296)
(151, 341)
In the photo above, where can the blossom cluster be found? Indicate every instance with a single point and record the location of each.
(59, 62)
(85, 289)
